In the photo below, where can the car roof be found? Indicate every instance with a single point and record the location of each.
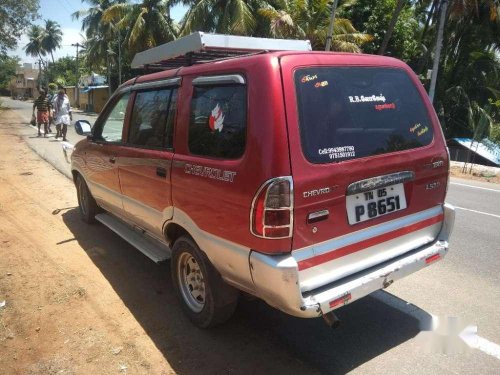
(241, 62)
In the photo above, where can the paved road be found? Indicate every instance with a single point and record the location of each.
(377, 332)
(50, 149)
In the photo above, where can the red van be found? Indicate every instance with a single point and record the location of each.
(306, 179)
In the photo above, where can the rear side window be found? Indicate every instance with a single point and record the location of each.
(152, 118)
(354, 112)
(218, 121)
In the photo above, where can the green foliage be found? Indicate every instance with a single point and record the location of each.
(373, 18)
(495, 134)
(310, 20)
(15, 17)
(8, 67)
(52, 37)
(469, 80)
(147, 24)
(63, 71)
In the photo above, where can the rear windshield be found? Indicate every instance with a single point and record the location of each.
(348, 113)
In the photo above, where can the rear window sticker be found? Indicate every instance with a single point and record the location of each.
(367, 99)
(309, 78)
(423, 130)
(381, 107)
(216, 119)
(419, 129)
(339, 152)
(321, 84)
(415, 127)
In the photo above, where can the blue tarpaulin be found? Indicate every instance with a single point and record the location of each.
(90, 88)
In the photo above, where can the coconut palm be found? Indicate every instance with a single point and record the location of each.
(390, 28)
(309, 20)
(35, 46)
(92, 16)
(221, 16)
(52, 37)
(147, 24)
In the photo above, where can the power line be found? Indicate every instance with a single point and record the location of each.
(64, 6)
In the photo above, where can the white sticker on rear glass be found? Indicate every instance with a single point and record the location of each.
(216, 119)
(340, 152)
(367, 99)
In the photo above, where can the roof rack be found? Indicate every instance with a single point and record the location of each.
(199, 48)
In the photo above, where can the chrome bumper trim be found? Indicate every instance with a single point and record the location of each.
(277, 281)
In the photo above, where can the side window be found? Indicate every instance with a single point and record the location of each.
(152, 119)
(111, 130)
(218, 121)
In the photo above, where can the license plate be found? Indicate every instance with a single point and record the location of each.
(374, 203)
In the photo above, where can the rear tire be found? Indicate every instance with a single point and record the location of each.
(206, 299)
(86, 203)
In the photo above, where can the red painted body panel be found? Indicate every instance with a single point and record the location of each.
(223, 208)
(308, 176)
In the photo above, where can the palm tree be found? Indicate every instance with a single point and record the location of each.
(92, 16)
(35, 46)
(309, 20)
(147, 24)
(221, 16)
(52, 37)
(390, 28)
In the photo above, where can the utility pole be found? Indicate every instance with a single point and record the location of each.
(108, 55)
(39, 83)
(437, 54)
(329, 37)
(77, 45)
(119, 59)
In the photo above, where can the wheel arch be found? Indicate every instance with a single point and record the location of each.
(173, 231)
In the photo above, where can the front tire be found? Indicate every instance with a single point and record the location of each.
(86, 203)
(206, 299)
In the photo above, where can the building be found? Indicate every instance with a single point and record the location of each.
(25, 83)
(94, 93)
(483, 152)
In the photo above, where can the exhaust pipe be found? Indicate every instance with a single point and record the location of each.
(331, 320)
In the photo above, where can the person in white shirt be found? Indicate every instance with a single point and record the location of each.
(62, 114)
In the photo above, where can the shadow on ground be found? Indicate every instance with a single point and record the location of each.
(258, 339)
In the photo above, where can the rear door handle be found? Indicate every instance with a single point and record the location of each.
(162, 172)
(112, 159)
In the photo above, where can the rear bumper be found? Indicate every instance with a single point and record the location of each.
(277, 281)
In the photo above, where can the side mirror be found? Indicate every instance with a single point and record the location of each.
(83, 127)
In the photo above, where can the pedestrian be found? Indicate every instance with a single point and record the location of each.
(62, 114)
(42, 105)
(50, 96)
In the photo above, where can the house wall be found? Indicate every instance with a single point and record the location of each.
(84, 100)
(100, 97)
(71, 92)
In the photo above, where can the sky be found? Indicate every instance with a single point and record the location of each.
(60, 11)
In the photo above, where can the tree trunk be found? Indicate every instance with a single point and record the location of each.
(437, 54)
(428, 20)
(390, 28)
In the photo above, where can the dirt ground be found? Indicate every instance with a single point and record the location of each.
(478, 173)
(60, 314)
(79, 300)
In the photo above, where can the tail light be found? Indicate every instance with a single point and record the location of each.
(272, 209)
